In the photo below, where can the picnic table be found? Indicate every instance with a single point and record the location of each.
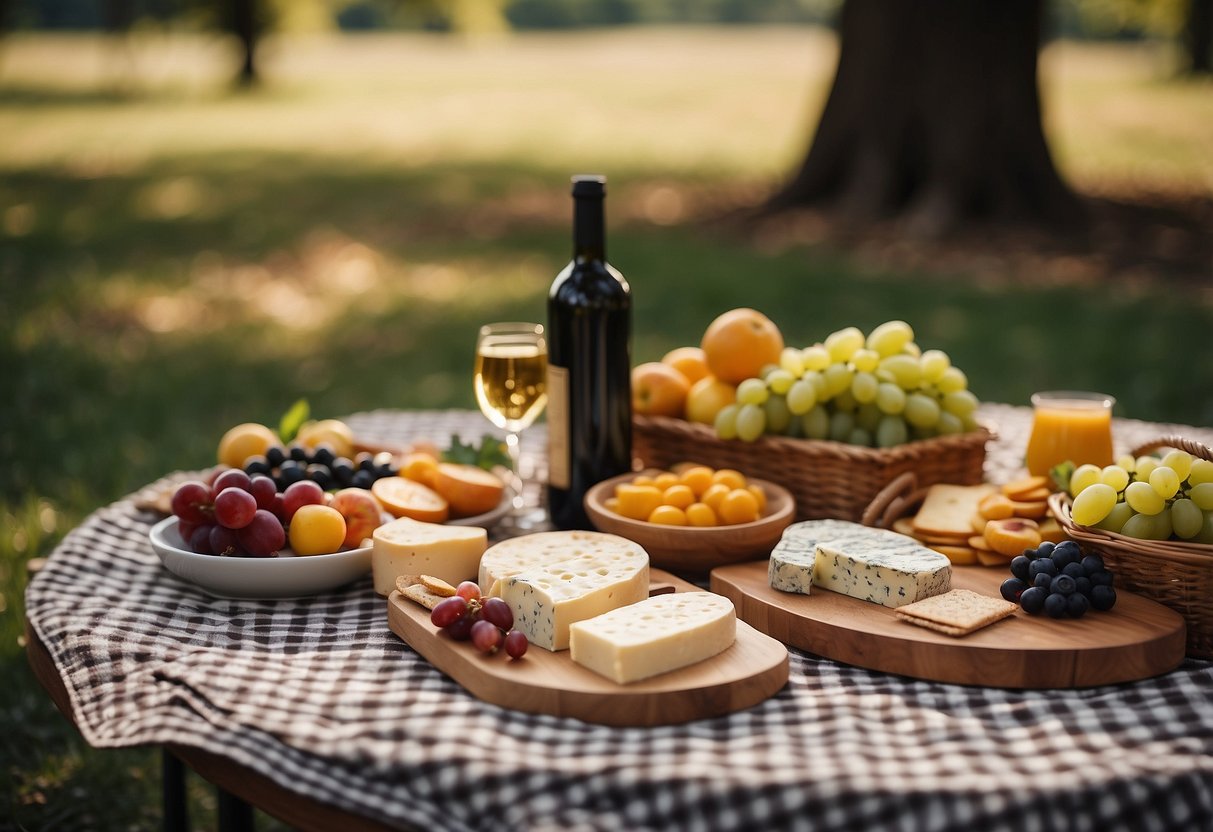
(313, 710)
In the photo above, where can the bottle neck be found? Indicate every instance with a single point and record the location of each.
(589, 229)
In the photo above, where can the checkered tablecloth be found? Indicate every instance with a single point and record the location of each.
(322, 698)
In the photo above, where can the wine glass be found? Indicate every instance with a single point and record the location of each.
(510, 383)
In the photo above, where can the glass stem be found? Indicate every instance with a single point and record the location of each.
(512, 450)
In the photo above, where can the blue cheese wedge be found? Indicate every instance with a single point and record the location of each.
(869, 564)
(795, 555)
(554, 579)
(654, 636)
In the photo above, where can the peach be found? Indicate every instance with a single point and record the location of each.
(468, 489)
(706, 398)
(1011, 536)
(659, 390)
(361, 512)
(690, 361)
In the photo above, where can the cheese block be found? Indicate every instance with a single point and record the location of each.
(555, 584)
(882, 567)
(794, 556)
(654, 636)
(509, 557)
(875, 565)
(411, 547)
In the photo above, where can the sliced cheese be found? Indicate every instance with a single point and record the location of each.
(553, 579)
(875, 565)
(654, 636)
(411, 547)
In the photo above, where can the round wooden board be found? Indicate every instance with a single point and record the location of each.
(1137, 639)
(754, 668)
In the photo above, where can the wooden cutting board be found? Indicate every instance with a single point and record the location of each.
(754, 668)
(1137, 639)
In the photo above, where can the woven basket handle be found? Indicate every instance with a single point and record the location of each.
(1194, 448)
(891, 501)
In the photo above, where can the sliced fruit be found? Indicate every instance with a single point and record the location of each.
(1020, 489)
(469, 489)
(1010, 537)
(420, 467)
(996, 507)
(402, 497)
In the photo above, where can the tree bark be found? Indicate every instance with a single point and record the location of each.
(244, 26)
(1199, 36)
(934, 117)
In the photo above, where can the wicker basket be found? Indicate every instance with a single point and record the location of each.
(828, 479)
(1178, 575)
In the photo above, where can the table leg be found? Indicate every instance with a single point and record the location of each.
(173, 801)
(235, 815)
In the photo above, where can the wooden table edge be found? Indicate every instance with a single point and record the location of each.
(298, 810)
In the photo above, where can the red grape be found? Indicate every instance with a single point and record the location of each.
(468, 590)
(497, 612)
(225, 541)
(279, 508)
(232, 478)
(299, 494)
(234, 508)
(200, 540)
(216, 473)
(485, 636)
(461, 630)
(264, 491)
(185, 530)
(516, 644)
(192, 502)
(263, 536)
(447, 611)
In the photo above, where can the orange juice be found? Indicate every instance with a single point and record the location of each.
(1070, 426)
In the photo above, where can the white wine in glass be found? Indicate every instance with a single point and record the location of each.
(510, 378)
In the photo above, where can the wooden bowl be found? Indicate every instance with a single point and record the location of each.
(693, 549)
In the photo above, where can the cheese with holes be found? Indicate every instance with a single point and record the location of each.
(869, 564)
(411, 547)
(554, 579)
(654, 636)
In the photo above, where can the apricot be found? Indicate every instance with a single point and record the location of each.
(668, 516)
(690, 361)
(1011, 536)
(996, 507)
(738, 506)
(317, 530)
(637, 501)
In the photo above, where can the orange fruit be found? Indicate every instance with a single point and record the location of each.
(739, 343)
(659, 390)
(739, 506)
(729, 477)
(679, 496)
(701, 514)
(690, 361)
(664, 480)
(668, 516)
(637, 501)
(713, 495)
(469, 489)
(420, 467)
(697, 479)
(759, 495)
(402, 497)
(243, 441)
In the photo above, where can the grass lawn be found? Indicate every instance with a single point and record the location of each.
(175, 259)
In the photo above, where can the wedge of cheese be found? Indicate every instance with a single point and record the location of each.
(554, 579)
(869, 564)
(654, 636)
(411, 547)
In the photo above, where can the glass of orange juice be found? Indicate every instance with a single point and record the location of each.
(1072, 426)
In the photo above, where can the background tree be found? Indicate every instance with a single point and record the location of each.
(934, 116)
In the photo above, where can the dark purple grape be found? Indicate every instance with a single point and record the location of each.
(1077, 605)
(1056, 606)
(461, 630)
(191, 502)
(1033, 600)
(257, 465)
(448, 611)
(1101, 577)
(275, 456)
(232, 478)
(1042, 565)
(1045, 549)
(1092, 563)
(1063, 585)
(1083, 586)
(323, 454)
(515, 644)
(225, 541)
(1074, 569)
(185, 530)
(1020, 565)
(234, 508)
(486, 637)
(264, 491)
(468, 590)
(1012, 588)
(200, 540)
(299, 453)
(1043, 580)
(498, 613)
(263, 536)
(1103, 598)
(321, 475)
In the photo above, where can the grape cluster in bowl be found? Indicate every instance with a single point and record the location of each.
(1060, 581)
(287, 466)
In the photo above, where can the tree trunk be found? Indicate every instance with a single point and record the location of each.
(934, 117)
(1199, 37)
(244, 26)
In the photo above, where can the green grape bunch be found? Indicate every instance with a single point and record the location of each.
(1146, 497)
(877, 390)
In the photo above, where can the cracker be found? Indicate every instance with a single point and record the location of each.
(958, 555)
(419, 594)
(904, 525)
(437, 586)
(947, 509)
(1035, 495)
(1017, 489)
(956, 613)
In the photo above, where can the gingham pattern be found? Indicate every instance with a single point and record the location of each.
(321, 697)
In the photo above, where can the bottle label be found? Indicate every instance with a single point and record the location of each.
(558, 426)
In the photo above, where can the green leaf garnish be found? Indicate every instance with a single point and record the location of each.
(1061, 474)
(292, 420)
(490, 453)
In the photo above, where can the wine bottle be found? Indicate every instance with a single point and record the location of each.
(589, 365)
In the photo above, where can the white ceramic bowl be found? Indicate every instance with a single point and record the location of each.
(286, 576)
